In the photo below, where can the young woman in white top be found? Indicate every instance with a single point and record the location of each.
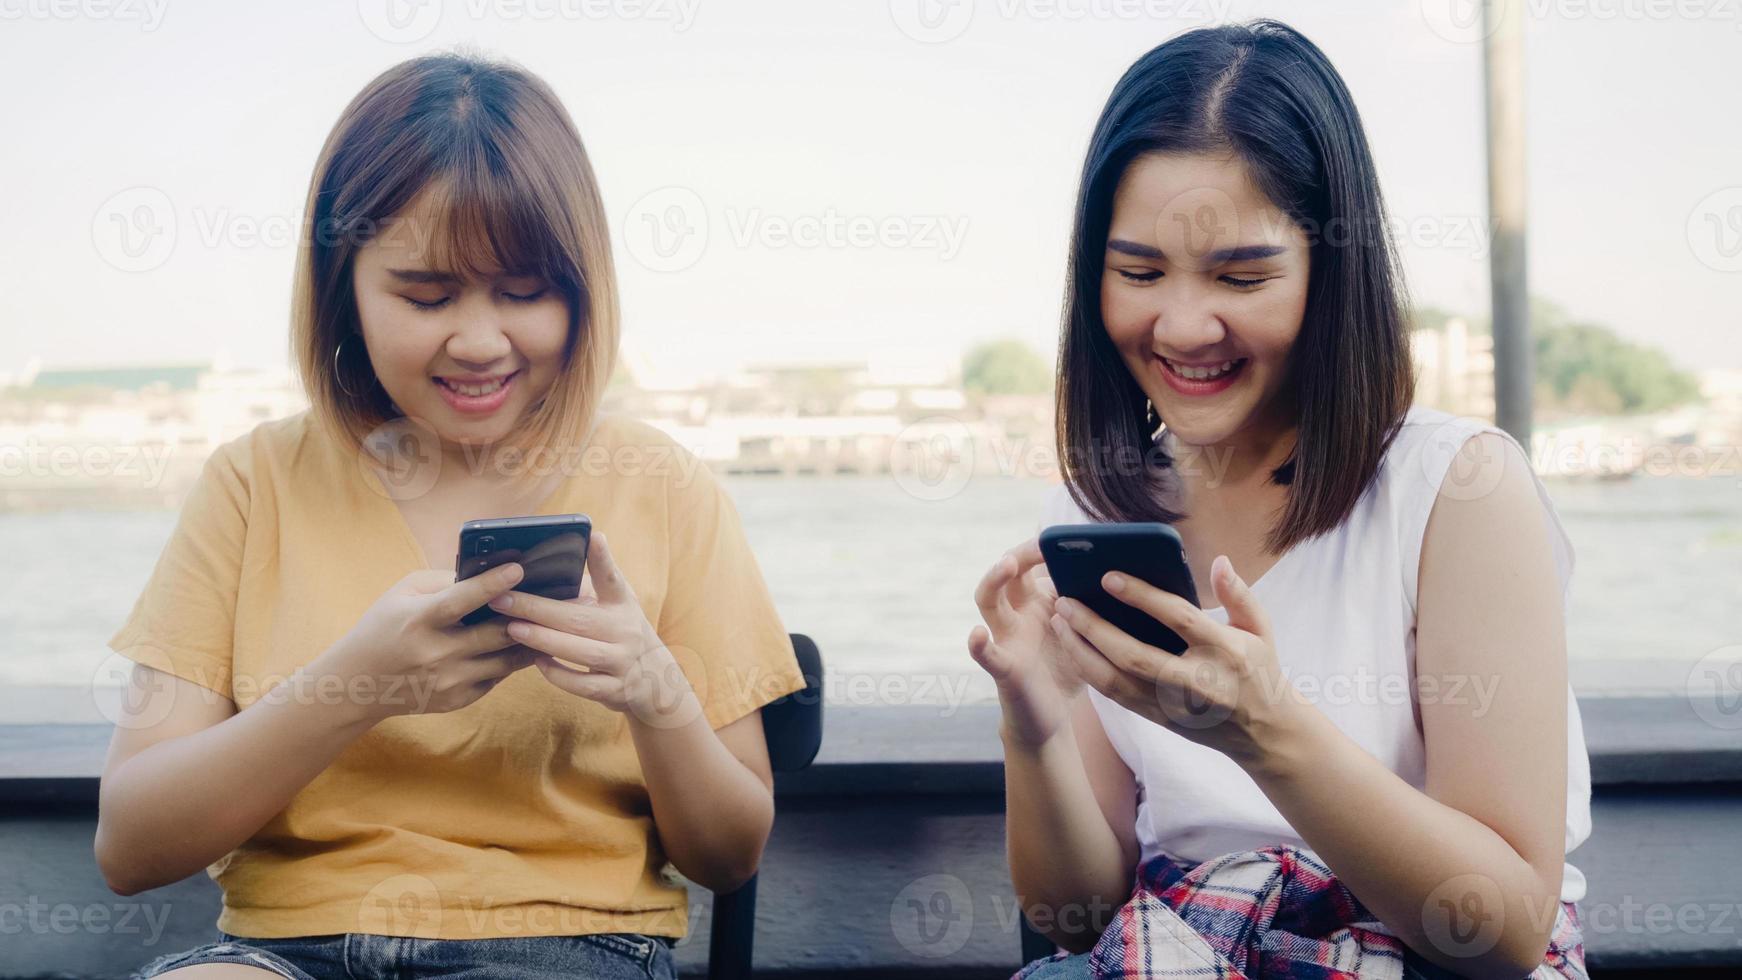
(1378, 672)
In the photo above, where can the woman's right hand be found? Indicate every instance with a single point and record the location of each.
(409, 653)
(1017, 646)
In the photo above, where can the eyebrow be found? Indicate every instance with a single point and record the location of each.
(1238, 253)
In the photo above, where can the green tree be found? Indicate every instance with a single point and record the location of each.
(1585, 368)
(1005, 367)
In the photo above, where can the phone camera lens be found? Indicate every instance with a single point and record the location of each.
(485, 543)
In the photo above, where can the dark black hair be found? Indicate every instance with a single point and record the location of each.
(1269, 96)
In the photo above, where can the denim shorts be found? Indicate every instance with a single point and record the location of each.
(351, 956)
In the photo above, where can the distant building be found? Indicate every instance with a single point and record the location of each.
(1722, 422)
(837, 416)
(63, 430)
(1454, 369)
(98, 436)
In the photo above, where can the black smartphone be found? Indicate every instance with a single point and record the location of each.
(1079, 555)
(552, 552)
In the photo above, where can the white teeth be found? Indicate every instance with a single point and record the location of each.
(1202, 373)
(475, 391)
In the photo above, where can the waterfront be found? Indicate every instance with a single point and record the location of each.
(882, 579)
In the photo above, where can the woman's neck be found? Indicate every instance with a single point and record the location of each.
(465, 479)
(1237, 470)
(521, 485)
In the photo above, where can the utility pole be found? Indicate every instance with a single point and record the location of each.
(1503, 82)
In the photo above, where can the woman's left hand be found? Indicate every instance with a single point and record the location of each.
(1226, 691)
(623, 664)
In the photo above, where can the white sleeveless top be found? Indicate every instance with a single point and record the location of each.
(1343, 608)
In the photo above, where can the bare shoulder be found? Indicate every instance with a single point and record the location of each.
(1489, 477)
(1488, 528)
(646, 455)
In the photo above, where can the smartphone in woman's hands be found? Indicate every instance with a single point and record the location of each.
(551, 550)
(1078, 556)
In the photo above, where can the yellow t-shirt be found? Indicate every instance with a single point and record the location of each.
(524, 813)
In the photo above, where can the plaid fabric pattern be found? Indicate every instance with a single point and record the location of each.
(1275, 912)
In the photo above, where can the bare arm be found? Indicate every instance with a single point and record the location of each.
(712, 792)
(180, 793)
(1469, 872)
(189, 777)
(1070, 801)
(712, 795)
(1070, 819)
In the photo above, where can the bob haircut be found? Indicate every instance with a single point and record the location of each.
(1266, 94)
(507, 173)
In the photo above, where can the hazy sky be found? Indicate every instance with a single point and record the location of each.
(950, 131)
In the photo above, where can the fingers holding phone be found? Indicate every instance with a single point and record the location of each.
(407, 655)
(1017, 647)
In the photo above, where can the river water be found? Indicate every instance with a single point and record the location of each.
(882, 580)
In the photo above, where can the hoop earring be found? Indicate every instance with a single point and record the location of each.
(1150, 418)
(338, 373)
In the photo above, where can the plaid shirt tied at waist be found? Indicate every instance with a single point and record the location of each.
(1279, 912)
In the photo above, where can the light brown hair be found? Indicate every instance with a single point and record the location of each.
(505, 168)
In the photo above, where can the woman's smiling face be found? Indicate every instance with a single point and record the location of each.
(468, 354)
(1203, 293)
